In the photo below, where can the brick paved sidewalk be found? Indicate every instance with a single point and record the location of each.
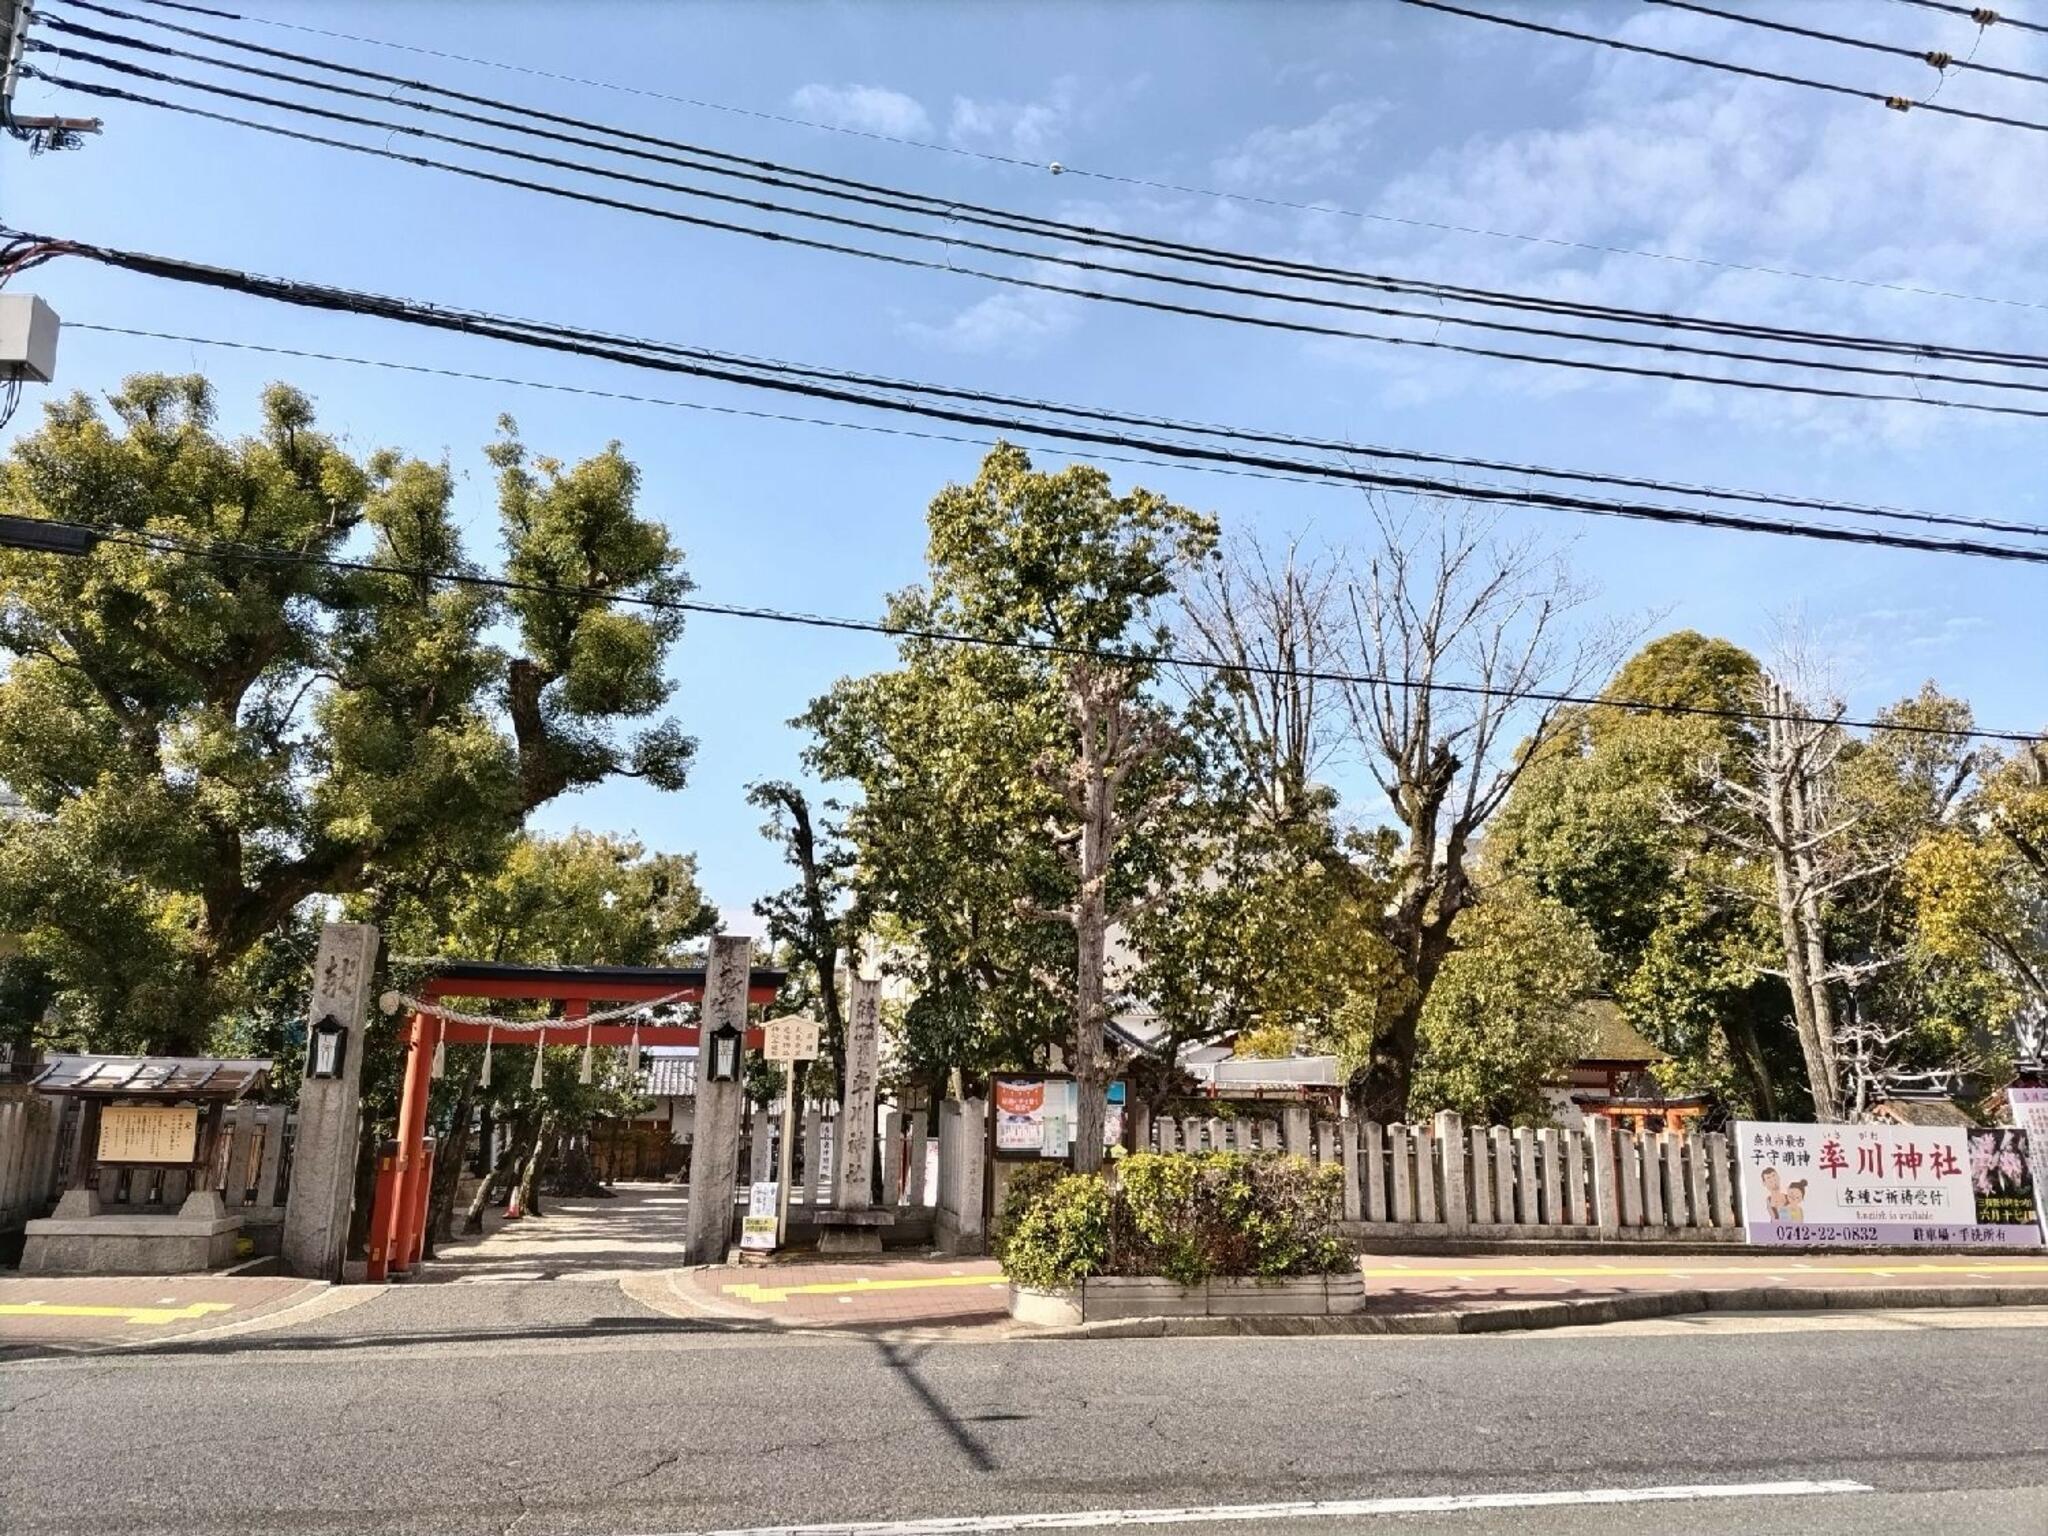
(38, 1310)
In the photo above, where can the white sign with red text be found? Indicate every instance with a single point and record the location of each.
(1858, 1184)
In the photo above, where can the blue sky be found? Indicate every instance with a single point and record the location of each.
(1374, 108)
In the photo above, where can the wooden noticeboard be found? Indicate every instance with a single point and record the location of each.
(149, 1133)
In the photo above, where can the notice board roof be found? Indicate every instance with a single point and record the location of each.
(150, 1077)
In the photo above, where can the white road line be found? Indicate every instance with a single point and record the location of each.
(1324, 1509)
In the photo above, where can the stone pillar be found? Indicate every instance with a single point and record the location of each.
(1296, 1131)
(715, 1155)
(856, 1149)
(961, 1227)
(316, 1212)
(1606, 1176)
(1450, 1140)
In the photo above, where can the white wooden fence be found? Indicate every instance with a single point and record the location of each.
(1498, 1181)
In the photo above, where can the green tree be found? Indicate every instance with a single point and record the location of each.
(208, 727)
(1502, 1021)
(1010, 787)
(809, 919)
(1979, 886)
(1604, 821)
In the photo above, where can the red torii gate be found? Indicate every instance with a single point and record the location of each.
(406, 1175)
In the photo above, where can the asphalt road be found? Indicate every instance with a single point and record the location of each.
(673, 1431)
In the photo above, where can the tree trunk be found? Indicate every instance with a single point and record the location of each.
(364, 1200)
(1090, 1091)
(448, 1161)
(473, 1223)
(529, 1178)
(1748, 1054)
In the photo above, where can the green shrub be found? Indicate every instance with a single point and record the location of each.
(1026, 1183)
(1187, 1216)
(1061, 1236)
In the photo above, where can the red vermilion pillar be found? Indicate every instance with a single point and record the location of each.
(412, 1129)
(380, 1211)
(421, 1191)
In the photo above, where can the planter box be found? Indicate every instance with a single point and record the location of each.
(1128, 1296)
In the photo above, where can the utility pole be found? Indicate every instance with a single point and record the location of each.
(16, 16)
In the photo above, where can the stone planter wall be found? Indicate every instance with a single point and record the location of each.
(1126, 1296)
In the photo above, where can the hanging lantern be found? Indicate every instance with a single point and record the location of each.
(483, 1078)
(722, 1051)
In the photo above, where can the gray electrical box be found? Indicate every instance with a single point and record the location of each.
(28, 338)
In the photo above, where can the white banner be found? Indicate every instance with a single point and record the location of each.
(1864, 1184)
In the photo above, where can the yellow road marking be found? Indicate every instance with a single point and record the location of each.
(1568, 1271)
(847, 1288)
(128, 1314)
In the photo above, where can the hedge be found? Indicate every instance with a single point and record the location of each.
(1187, 1216)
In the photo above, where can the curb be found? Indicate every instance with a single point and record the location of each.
(1537, 1317)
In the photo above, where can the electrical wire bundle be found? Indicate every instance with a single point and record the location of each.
(803, 208)
(1157, 439)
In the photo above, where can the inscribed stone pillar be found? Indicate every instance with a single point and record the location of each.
(715, 1157)
(316, 1212)
(857, 1105)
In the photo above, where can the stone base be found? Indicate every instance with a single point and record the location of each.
(1132, 1296)
(852, 1231)
(129, 1245)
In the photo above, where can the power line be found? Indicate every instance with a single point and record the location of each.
(953, 210)
(2035, 530)
(560, 339)
(1982, 15)
(952, 239)
(1933, 58)
(1094, 174)
(230, 551)
(1898, 103)
(1125, 300)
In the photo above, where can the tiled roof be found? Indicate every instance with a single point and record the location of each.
(669, 1077)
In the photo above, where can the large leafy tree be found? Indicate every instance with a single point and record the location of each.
(207, 726)
(1979, 886)
(1011, 789)
(1603, 821)
(1503, 1021)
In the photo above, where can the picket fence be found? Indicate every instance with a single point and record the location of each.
(1497, 1181)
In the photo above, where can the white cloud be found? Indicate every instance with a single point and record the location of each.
(1008, 323)
(1665, 158)
(870, 108)
(1044, 128)
(1033, 129)
(1322, 151)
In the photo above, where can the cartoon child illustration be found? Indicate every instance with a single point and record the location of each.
(1774, 1194)
(1793, 1207)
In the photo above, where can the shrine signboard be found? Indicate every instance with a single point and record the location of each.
(148, 1133)
(1852, 1185)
